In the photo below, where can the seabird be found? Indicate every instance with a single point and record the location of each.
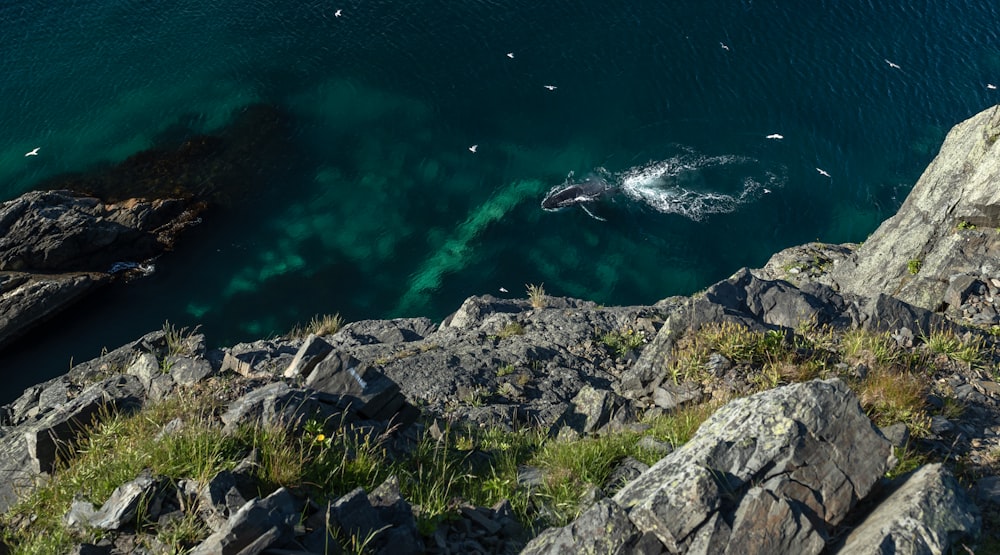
(34, 151)
(504, 290)
(775, 136)
(338, 13)
(991, 86)
(510, 55)
(767, 191)
(473, 148)
(724, 47)
(550, 87)
(892, 65)
(823, 172)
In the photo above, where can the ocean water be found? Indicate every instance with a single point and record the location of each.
(371, 203)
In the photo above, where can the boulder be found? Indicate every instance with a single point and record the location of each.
(928, 512)
(808, 447)
(257, 525)
(603, 528)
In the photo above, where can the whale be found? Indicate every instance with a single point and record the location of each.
(572, 193)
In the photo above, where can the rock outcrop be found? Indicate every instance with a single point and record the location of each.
(57, 246)
(781, 467)
(942, 246)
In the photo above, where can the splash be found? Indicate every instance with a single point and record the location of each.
(695, 186)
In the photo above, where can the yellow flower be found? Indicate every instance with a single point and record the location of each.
(320, 438)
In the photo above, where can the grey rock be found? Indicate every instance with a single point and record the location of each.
(370, 392)
(279, 404)
(958, 186)
(928, 513)
(807, 443)
(145, 367)
(898, 434)
(603, 528)
(399, 330)
(257, 525)
(669, 395)
(28, 300)
(58, 246)
(767, 523)
(186, 370)
(123, 505)
(312, 351)
(624, 472)
(593, 409)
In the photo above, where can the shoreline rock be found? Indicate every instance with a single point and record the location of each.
(797, 468)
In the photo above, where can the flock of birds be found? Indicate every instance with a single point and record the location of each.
(474, 148)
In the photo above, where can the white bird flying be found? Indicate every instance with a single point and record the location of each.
(473, 148)
(338, 13)
(504, 290)
(510, 55)
(892, 65)
(550, 87)
(724, 46)
(823, 172)
(775, 136)
(991, 86)
(34, 152)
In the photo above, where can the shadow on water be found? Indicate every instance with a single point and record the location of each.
(233, 168)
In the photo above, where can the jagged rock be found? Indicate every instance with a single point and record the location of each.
(603, 528)
(767, 523)
(57, 246)
(257, 525)
(370, 392)
(399, 330)
(958, 186)
(279, 404)
(383, 520)
(809, 444)
(593, 409)
(186, 370)
(122, 506)
(259, 358)
(669, 395)
(928, 513)
(898, 434)
(27, 300)
(146, 367)
(312, 351)
(475, 309)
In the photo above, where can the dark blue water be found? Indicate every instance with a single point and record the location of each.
(376, 206)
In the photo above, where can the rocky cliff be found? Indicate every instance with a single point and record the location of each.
(844, 397)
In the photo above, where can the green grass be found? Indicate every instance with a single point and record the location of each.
(913, 266)
(971, 351)
(624, 341)
(327, 460)
(510, 329)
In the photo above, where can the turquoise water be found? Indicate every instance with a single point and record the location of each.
(377, 208)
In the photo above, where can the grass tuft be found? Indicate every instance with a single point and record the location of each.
(327, 324)
(537, 296)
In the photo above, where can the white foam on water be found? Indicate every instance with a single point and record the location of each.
(679, 185)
